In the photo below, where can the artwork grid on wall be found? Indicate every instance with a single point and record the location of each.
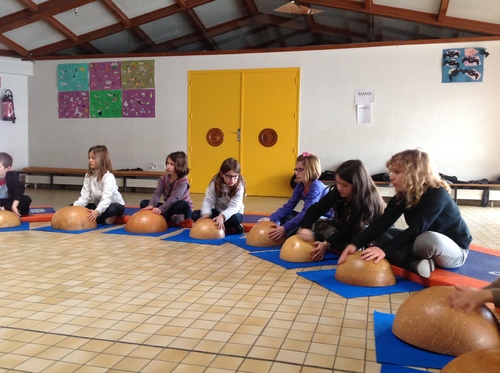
(106, 89)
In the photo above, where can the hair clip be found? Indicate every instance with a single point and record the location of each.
(306, 154)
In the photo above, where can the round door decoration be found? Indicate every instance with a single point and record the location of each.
(215, 136)
(268, 137)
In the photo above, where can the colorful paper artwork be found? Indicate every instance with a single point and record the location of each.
(73, 77)
(73, 104)
(463, 65)
(106, 104)
(105, 75)
(138, 74)
(139, 103)
(106, 89)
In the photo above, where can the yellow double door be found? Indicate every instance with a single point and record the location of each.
(249, 115)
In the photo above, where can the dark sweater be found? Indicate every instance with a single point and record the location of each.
(14, 186)
(436, 212)
(344, 220)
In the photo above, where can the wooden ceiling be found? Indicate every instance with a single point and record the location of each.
(48, 29)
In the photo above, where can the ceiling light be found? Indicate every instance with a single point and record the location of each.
(295, 7)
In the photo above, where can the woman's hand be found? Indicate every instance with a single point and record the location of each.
(148, 208)
(277, 233)
(263, 219)
(350, 249)
(469, 298)
(306, 234)
(318, 253)
(374, 253)
(219, 221)
(93, 214)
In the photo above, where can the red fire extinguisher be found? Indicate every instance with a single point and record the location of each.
(8, 112)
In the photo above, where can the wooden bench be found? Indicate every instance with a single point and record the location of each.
(459, 191)
(74, 176)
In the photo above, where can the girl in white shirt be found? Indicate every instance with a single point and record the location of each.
(223, 202)
(100, 193)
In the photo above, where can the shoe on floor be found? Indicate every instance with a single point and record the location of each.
(110, 220)
(423, 267)
(177, 219)
(236, 230)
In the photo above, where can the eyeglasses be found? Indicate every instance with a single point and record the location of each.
(298, 170)
(231, 177)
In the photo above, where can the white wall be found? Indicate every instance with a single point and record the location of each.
(14, 136)
(458, 124)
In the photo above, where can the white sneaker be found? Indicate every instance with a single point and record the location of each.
(110, 220)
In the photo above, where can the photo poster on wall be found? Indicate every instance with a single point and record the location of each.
(118, 89)
(463, 65)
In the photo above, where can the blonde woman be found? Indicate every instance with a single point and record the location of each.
(436, 235)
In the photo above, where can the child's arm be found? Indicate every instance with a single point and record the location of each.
(155, 198)
(288, 207)
(315, 193)
(208, 201)
(85, 193)
(108, 185)
(178, 193)
(15, 186)
(235, 204)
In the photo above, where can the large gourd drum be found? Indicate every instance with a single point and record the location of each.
(427, 321)
(8, 219)
(72, 218)
(360, 272)
(259, 235)
(477, 361)
(297, 250)
(145, 221)
(206, 229)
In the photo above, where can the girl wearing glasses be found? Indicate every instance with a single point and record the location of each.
(223, 202)
(308, 189)
(354, 202)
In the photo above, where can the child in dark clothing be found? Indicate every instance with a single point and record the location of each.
(12, 196)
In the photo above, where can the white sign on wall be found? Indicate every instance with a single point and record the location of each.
(364, 96)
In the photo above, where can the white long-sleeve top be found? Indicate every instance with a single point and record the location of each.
(226, 205)
(102, 193)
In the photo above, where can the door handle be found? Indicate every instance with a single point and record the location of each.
(238, 134)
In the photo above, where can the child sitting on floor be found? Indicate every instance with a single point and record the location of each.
(12, 196)
(174, 186)
(100, 193)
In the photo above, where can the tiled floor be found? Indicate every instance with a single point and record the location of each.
(97, 302)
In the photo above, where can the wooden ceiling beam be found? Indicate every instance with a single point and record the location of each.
(46, 9)
(62, 29)
(117, 11)
(14, 46)
(412, 16)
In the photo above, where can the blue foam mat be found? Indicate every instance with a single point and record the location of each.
(41, 210)
(397, 369)
(124, 232)
(273, 256)
(390, 349)
(48, 228)
(326, 278)
(25, 226)
(241, 241)
(479, 265)
(184, 237)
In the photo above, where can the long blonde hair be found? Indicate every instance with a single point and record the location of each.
(419, 175)
(103, 162)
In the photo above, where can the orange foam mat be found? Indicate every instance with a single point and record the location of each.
(39, 214)
(444, 277)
